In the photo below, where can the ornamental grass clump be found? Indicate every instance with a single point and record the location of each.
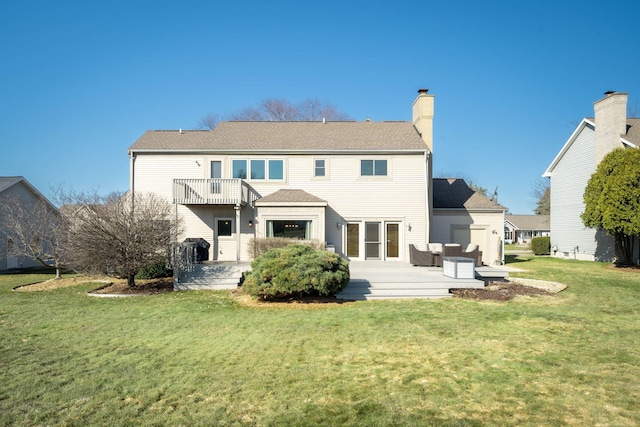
(296, 271)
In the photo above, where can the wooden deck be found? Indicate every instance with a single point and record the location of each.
(384, 280)
(369, 279)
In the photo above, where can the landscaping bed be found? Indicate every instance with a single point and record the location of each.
(509, 289)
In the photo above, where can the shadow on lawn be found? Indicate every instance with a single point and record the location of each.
(514, 259)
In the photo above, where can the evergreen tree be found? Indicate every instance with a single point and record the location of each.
(612, 200)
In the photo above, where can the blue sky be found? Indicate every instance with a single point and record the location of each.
(81, 81)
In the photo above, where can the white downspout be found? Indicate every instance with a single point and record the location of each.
(132, 161)
(132, 180)
(428, 198)
(237, 209)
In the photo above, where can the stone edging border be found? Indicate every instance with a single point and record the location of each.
(107, 284)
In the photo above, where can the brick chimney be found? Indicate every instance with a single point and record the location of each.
(611, 123)
(423, 116)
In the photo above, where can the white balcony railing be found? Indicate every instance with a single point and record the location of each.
(210, 192)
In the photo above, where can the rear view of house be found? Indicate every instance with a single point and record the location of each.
(363, 188)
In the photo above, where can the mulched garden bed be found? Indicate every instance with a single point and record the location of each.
(503, 291)
(146, 287)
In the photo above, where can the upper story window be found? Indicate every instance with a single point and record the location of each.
(319, 168)
(216, 169)
(276, 169)
(258, 169)
(373, 168)
(239, 169)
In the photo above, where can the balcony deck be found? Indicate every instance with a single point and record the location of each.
(211, 192)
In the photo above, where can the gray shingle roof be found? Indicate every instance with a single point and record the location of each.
(454, 193)
(290, 196)
(287, 136)
(633, 130)
(530, 222)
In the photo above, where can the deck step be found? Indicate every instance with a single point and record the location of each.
(211, 276)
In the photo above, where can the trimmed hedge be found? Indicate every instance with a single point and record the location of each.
(294, 271)
(541, 245)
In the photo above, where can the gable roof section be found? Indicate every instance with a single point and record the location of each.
(454, 193)
(287, 136)
(585, 123)
(631, 139)
(287, 197)
(529, 222)
(7, 182)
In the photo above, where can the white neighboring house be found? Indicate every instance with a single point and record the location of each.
(461, 215)
(523, 228)
(364, 188)
(16, 187)
(571, 169)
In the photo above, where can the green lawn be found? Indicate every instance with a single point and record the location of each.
(202, 358)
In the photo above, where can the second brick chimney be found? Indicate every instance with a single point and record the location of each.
(611, 123)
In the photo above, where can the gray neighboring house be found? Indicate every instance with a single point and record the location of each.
(572, 168)
(523, 228)
(10, 187)
(461, 215)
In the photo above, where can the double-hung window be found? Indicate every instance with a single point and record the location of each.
(373, 167)
(319, 168)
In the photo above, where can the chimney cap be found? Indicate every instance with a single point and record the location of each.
(423, 90)
(609, 92)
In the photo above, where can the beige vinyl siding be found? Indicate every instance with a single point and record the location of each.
(568, 182)
(154, 173)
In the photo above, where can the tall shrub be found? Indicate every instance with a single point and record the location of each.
(296, 270)
(541, 245)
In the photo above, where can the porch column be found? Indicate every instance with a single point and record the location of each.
(237, 209)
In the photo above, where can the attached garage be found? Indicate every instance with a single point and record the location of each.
(461, 215)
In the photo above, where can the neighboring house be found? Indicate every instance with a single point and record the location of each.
(364, 188)
(571, 169)
(523, 228)
(461, 215)
(12, 188)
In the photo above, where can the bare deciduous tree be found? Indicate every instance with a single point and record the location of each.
(542, 193)
(279, 110)
(36, 229)
(118, 235)
(210, 121)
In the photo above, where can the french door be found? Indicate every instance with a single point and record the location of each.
(373, 240)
